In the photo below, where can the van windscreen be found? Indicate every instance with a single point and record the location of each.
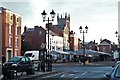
(28, 54)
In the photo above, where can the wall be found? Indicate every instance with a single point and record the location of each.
(0, 44)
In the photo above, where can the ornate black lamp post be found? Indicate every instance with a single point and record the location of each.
(48, 21)
(118, 38)
(82, 31)
(118, 43)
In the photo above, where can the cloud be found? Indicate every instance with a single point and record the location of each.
(15, 0)
(100, 15)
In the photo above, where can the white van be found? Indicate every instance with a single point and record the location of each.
(33, 55)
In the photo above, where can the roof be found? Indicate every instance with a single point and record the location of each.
(91, 52)
(8, 10)
(55, 29)
(58, 52)
(108, 41)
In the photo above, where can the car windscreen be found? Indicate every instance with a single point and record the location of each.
(28, 54)
(15, 59)
(117, 72)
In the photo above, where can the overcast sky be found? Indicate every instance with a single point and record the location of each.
(101, 16)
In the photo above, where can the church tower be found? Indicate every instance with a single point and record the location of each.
(63, 21)
(64, 24)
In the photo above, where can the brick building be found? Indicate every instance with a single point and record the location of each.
(74, 42)
(34, 38)
(11, 33)
(105, 46)
(92, 45)
(64, 24)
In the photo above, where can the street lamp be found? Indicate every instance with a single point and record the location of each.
(118, 38)
(44, 14)
(118, 42)
(83, 31)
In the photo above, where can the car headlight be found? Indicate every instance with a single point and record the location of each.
(14, 65)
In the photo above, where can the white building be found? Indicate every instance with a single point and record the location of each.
(55, 42)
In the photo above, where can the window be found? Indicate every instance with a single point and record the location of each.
(17, 19)
(23, 59)
(16, 42)
(27, 59)
(28, 54)
(16, 30)
(117, 74)
(14, 59)
(11, 17)
(16, 52)
(40, 32)
(10, 29)
(10, 41)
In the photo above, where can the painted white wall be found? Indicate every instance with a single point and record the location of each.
(55, 43)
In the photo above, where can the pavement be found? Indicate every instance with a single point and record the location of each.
(37, 74)
(101, 63)
(42, 74)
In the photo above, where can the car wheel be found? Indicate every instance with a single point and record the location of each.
(30, 71)
(10, 74)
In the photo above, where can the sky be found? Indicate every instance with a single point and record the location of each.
(101, 16)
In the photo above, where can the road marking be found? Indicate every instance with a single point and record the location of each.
(71, 74)
(84, 73)
(74, 78)
(53, 75)
(62, 75)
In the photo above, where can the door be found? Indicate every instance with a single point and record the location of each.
(8, 54)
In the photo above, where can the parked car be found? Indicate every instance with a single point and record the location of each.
(115, 74)
(118, 62)
(18, 64)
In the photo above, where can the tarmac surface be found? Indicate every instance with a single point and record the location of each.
(41, 74)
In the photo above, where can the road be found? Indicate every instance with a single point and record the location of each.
(75, 72)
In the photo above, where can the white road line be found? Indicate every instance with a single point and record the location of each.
(52, 75)
(74, 78)
(71, 74)
(62, 75)
(84, 73)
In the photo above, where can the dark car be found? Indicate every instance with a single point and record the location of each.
(115, 74)
(18, 64)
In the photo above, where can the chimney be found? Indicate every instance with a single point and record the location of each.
(65, 15)
(94, 41)
(50, 24)
(35, 27)
(25, 28)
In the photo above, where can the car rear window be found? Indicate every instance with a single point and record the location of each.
(28, 54)
(28, 60)
(15, 59)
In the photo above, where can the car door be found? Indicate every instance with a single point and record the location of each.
(21, 65)
(28, 62)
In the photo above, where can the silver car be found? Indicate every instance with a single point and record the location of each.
(115, 74)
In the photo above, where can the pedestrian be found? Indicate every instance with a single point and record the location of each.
(79, 61)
